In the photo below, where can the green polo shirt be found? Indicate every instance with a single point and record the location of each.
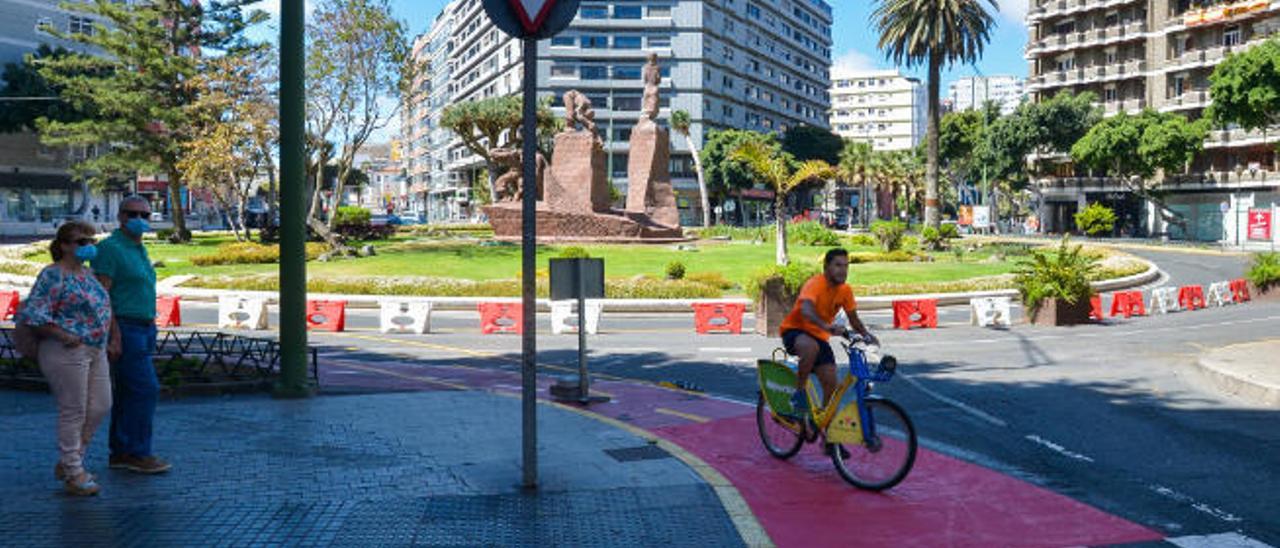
(133, 279)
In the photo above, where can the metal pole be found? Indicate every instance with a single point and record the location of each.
(293, 206)
(528, 267)
(583, 383)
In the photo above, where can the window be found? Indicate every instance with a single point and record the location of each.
(659, 41)
(622, 134)
(1231, 36)
(595, 41)
(659, 11)
(627, 12)
(44, 25)
(753, 11)
(563, 71)
(1179, 85)
(1109, 95)
(563, 41)
(80, 25)
(626, 72)
(626, 103)
(597, 72)
(594, 12)
(1112, 57)
(1066, 63)
(627, 42)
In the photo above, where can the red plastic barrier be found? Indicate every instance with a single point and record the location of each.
(909, 314)
(327, 315)
(1191, 297)
(708, 317)
(1095, 307)
(501, 318)
(1129, 303)
(168, 311)
(9, 304)
(1239, 290)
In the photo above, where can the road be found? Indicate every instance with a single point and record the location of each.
(1115, 415)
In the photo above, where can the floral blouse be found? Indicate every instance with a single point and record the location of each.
(74, 301)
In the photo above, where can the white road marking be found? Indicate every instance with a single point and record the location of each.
(992, 419)
(1058, 448)
(1220, 540)
(737, 362)
(1074, 336)
(1199, 506)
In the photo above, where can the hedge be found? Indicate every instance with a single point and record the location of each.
(252, 253)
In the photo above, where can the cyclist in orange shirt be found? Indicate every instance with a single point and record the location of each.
(808, 328)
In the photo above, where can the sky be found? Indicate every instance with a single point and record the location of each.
(855, 39)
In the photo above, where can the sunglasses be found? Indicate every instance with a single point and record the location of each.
(136, 214)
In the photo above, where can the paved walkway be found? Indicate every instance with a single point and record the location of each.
(434, 467)
(1251, 371)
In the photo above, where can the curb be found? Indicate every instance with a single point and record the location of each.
(1230, 379)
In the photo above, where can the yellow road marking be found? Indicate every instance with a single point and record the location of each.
(683, 415)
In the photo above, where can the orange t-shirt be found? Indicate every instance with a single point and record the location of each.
(827, 301)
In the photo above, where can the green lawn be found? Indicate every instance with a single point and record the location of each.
(469, 260)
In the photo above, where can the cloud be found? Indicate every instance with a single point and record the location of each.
(854, 61)
(1014, 10)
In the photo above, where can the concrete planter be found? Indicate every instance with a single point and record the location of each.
(772, 306)
(1057, 312)
(1270, 294)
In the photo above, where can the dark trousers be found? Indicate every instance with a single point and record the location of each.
(135, 390)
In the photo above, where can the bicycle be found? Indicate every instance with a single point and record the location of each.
(874, 439)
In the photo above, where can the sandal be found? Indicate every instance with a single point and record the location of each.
(60, 472)
(83, 486)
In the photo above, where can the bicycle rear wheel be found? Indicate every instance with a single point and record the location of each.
(780, 441)
(884, 460)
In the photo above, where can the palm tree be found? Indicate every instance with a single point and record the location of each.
(775, 168)
(680, 121)
(856, 169)
(936, 34)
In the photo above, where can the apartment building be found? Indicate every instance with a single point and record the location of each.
(971, 92)
(881, 107)
(1158, 54)
(752, 64)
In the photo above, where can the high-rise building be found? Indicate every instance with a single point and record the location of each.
(735, 64)
(1158, 54)
(880, 107)
(971, 92)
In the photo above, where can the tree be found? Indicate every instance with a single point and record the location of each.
(31, 96)
(724, 174)
(936, 34)
(856, 168)
(781, 172)
(680, 121)
(806, 142)
(357, 61)
(139, 90)
(493, 123)
(1246, 88)
(1133, 148)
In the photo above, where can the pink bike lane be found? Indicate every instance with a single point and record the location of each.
(803, 501)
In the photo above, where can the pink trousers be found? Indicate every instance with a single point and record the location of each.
(80, 380)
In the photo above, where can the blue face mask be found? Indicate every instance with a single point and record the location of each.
(87, 252)
(137, 226)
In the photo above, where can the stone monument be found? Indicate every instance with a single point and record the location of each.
(574, 202)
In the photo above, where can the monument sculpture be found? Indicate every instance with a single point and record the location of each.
(573, 190)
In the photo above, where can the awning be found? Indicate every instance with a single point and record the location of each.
(40, 181)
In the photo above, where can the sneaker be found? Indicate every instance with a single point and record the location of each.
(799, 405)
(85, 485)
(141, 465)
(844, 453)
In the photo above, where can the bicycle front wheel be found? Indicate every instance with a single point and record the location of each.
(779, 440)
(883, 460)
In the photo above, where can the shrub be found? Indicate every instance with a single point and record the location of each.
(713, 279)
(734, 232)
(897, 256)
(573, 252)
(933, 238)
(862, 240)
(252, 253)
(675, 270)
(1096, 220)
(949, 231)
(793, 277)
(353, 215)
(1264, 273)
(355, 223)
(811, 233)
(889, 234)
(631, 288)
(1060, 274)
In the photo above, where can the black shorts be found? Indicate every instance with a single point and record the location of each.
(825, 354)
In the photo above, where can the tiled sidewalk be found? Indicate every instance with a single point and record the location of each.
(437, 467)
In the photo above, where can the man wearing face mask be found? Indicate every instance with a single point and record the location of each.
(124, 268)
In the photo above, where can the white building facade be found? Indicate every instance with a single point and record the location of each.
(748, 64)
(971, 92)
(882, 107)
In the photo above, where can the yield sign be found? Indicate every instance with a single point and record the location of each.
(532, 13)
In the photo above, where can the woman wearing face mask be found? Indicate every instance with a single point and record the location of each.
(71, 312)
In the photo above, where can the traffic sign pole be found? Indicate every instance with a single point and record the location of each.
(528, 264)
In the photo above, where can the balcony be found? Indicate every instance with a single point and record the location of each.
(1054, 8)
(1189, 100)
(1129, 106)
(1241, 178)
(1241, 138)
(1221, 13)
(1133, 68)
(1088, 38)
(1207, 57)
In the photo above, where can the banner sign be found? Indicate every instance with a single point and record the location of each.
(1260, 224)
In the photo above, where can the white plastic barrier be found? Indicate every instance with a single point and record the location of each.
(1164, 300)
(989, 311)
(242, 313)
(406, 317)
(1220, 294)
(562, 311)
